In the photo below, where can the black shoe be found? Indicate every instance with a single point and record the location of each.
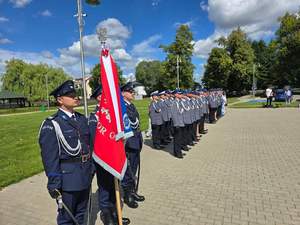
(179, 156)
(129, 201)
(137, 197)
(185, 149)
(125, 220)
(106, 217)
(164, 143)
(158, 147)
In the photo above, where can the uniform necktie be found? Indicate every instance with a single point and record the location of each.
(73, 117)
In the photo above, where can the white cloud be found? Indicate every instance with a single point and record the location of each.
(258, 18)
(115, 29)
(117, 34)
(204, 6)
(146, 46)
(3, 19)
(188, 23)
(203, 47)
(121, 55)
(20, 3)
(47, 54)
(46, 13)
(5, 41)
(256, 15)
(72, 68)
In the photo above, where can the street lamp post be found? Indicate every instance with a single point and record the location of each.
(48, 104)
(80, 25)
(253, 81)
(177, 68)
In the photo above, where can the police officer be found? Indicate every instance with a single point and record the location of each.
(177, 119)
(164, 105)
(133, 148)
(64, 142)
(155, 114)
(105, 181)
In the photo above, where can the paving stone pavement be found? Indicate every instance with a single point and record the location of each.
(245, 171)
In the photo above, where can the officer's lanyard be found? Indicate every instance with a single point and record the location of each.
(75, 124)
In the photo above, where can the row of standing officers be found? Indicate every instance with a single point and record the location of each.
(181, 115)
(66, 142)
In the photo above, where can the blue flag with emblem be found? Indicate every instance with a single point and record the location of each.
(127, 128)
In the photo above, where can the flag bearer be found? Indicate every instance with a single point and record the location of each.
(105, 180)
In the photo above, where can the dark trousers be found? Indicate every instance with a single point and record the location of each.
(177, 141)
(76, 201)
(219, 112)
(187, 134)
(269, 101)
(201, 124)
(168, 133)
(133, 157)
(212, 112)
(106, 191)
(194, 134)
(165, 131)
(156, 134)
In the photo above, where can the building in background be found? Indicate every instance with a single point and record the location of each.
(79, 87)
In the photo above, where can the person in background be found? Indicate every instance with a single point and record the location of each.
(269, 95)
(288, 96)
(224, 103)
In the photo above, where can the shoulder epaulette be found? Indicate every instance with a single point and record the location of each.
(52, 116)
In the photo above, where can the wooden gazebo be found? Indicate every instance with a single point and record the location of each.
(11, 100)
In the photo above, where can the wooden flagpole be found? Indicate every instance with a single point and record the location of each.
(118, 201)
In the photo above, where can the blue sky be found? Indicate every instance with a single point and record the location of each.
(46, 31)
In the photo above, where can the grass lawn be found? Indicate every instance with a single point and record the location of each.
(262, 104)
(19, 150)
(231, 100)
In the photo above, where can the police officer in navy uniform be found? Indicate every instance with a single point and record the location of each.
(64, 142)
(105, 181)
(133, 148)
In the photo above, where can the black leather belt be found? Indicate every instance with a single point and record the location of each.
(82, 158)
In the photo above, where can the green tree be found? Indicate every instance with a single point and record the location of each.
(217, 69)
(96, 74)
(182, 47)
(288, 51)
(148, 73)
(30, 80)
(265, 59)
(242, 55)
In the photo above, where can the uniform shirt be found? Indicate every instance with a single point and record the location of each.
(135, 142)
(58, 151)
(155, 113)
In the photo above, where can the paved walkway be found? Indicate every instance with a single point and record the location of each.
(246, 170)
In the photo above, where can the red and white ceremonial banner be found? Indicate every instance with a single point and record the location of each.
(109, 151)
